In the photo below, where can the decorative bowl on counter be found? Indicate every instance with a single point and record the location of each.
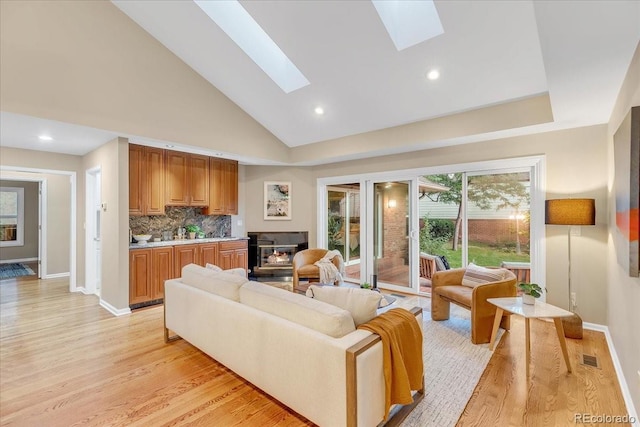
(142, 238)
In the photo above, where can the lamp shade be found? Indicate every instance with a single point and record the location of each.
(570, 212)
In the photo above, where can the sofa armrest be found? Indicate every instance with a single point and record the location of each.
(357, 408)
(451, 277)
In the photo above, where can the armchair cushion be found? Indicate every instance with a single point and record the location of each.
(475, 275)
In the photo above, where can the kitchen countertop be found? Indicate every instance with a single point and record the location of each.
(183, 242)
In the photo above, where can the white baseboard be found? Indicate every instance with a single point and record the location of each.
(56, 275)
(13, 261)
(624, 388)
(82, 289)
(115, 311)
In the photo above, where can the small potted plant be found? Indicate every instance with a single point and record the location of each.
(192, 229)
(530, 291)
(365, 285)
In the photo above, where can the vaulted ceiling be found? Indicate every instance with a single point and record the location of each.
(566, 58)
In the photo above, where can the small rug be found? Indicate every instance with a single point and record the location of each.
(8, 271)
(452, 368)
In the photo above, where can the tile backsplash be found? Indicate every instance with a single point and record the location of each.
(175, 217)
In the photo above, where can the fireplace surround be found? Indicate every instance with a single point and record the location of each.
(271, 253)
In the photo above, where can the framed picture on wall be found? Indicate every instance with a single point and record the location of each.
(277, 200)
(626, 146)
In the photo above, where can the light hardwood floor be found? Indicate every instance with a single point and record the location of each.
(66, 361)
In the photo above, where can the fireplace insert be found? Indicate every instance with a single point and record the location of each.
(271, 253)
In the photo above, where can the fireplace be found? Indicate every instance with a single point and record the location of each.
(271, 253)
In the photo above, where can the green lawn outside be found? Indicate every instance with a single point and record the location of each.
(484, 255)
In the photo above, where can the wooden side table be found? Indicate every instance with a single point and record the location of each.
(538, 310)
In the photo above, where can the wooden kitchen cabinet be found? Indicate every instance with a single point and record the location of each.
(161, 269)
(233, 254)
(184, 255)
(177, 178)
(136, 179)
(187, 177)
(155, 185)
(148, 270)
(146, 180)
(198, 180)
(208, 254)
(223, 187)
(140, 276)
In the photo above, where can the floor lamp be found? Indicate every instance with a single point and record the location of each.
(571, 212)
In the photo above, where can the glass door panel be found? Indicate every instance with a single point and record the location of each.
(440, 204)
(343, 226)
(498, 219)
(391, 233)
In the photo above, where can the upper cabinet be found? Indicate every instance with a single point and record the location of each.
(223, 187)
(187, 179)
(146, 180)
(159, 178)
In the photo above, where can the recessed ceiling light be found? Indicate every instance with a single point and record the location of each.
(433, 74)
(45, 138)
(236, 22)
(319, 111)
(169, 146)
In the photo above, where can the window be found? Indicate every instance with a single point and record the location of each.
(11, 216)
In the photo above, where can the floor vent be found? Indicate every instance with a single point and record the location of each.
(589, 360)
(398, 295)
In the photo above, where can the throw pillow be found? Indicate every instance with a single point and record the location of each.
(445, 262)
(237, 271)
(361, 303)
(439, 264)
(475, 275)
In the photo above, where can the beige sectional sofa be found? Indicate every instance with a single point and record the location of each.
(306, 353)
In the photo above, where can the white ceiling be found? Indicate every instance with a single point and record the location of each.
(491, 52)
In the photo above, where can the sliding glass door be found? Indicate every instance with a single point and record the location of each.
(387, 224)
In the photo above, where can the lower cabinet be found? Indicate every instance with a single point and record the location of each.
(185, 255)
(150, 267)
(233, 255)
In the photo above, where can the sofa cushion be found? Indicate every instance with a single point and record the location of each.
(221, 283)
(460, 294)
(361, 303)
(475, 275)
(317, 315)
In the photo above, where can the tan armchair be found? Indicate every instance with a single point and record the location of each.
(447, 288)
(304, 268)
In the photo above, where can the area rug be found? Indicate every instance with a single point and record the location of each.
(453, 367)
(8, 271)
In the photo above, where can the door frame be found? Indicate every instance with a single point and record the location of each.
(92, 268)
(42, 216)
(15, 172)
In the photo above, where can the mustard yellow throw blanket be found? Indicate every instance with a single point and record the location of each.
(402, 354)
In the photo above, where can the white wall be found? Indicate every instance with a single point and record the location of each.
(113, 159)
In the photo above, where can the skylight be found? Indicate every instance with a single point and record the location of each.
(409, 22)
(234, 20)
